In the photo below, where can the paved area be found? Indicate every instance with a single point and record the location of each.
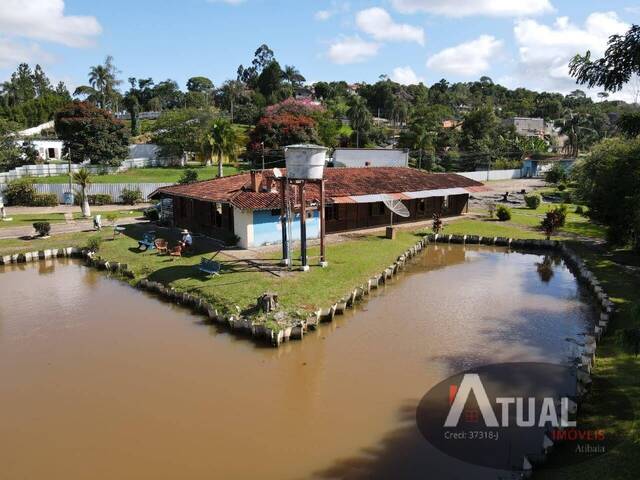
(71, 209)
(58, 228)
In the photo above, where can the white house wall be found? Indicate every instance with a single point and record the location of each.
(370, 157)
(243, 227)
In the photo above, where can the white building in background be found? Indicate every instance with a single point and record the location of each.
(527, 127)
(48, 148)
(370, 157)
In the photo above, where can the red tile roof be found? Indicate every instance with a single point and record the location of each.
(339, 182)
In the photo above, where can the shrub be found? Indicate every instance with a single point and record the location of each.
(43, 228)
(20, 192)
(503, 213)
(100, 199)
(44, 200)
(188, 176)
(532, 201)
(437, 225)
(554, 219)
(580, 210)
(556, 174)
(562, 187)
(131, 196)
(491, 209)
(152, 214)
(94, 242)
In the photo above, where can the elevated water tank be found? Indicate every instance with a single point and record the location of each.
(305, 162)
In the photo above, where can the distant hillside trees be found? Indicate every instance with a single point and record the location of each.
(28, 98)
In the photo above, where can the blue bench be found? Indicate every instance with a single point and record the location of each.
(147, 242)
(210, 267)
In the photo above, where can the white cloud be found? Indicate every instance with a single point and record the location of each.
(378, 23)
(323, 15)
(469, 58)
(46, 20)
(544, 51)
(12, 53)
(463, 8)
(337, 7)
(352, 50)
(405, 76)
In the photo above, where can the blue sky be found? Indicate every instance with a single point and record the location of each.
(517, 43)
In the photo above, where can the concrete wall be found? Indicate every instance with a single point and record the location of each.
(483, 175)
(243, 226)
(113, 189)
(375, 157)
(267, 229)
(49, 170)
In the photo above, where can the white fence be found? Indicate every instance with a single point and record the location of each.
(52, 169)
(484, 175)
(113, 189)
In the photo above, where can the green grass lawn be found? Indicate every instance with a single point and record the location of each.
(147, 175)
(29, 219)
(525, 223)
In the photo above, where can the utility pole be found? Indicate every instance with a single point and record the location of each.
(262, 143)
(70, 178)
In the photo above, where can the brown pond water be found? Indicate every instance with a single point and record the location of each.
(100, 381)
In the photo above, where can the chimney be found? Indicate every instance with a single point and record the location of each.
(256, 180)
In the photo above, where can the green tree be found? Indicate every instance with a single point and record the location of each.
(359, 116)
(222, 141)
(82, 178)
(619, 64)
(181, 130)
(10, 152)
(270, 81)
(92, 133)
(608, 180)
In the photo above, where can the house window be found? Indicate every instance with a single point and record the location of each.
(445, 203)
(331, 212)
(422, 205)
(52, 153)
(376, 209)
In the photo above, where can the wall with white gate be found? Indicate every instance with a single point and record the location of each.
(484, 176)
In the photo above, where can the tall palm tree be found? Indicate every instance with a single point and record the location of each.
(103, 82)
(83, 179)
(359, 117)
(222, 141)
(292, 75)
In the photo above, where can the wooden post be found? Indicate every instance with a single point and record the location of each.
(303, 227)
(283, 220)
(323, 257)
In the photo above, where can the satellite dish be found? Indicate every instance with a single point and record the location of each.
(396, 206)
(277, 173)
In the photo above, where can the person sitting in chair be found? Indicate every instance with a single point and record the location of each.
(187, 240)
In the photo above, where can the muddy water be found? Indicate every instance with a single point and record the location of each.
(98, 380)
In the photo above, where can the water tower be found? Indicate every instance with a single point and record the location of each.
(305, 165)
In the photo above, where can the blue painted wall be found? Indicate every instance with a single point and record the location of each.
(266, 227)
